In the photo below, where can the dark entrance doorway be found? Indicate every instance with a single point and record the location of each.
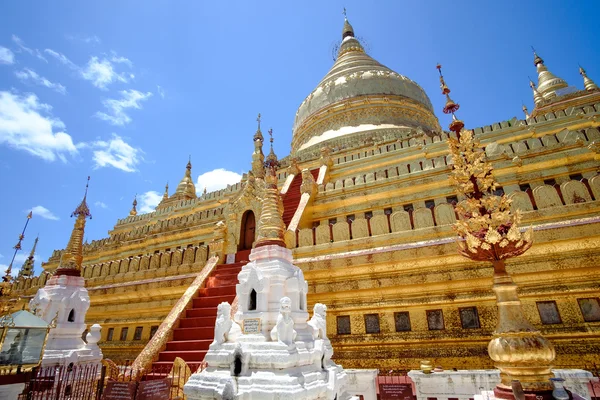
(247, 231)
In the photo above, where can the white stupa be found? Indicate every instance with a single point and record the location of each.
(270, 349)
(65, 300)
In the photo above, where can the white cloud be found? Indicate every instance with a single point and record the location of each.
(1, 256)
(100, 204)
(85, 39)
(41, 211)
(160, 91)
(26, 124)
(34, 52)
(116, 153)
(148, 201)
(216, 179)
(6, 56)
(62, 58)
(30, 75)
(129, 99)
(121, 60)
(101, 73)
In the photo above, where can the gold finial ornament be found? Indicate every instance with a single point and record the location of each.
(347, 30)
(450, 107)
(272, 156)
(72, 256)
(588, 84)
(489, 231)
(271, 228)
(548, 83)
(166, 194)
(537, 97)
(258, 158)
(27, 267)
(525, 111)
(134, 209)
(186, 189)
(7, 278)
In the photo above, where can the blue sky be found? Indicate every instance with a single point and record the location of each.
(125, 91)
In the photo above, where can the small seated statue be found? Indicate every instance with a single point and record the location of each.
(283, 331)
(318, 322)
(223, 323)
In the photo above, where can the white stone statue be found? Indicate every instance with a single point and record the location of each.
(223, 323)
(284, 331)
(319, 321)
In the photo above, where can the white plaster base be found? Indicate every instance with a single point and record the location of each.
(362, 382)
(11, 392)
(465, 384)
(262, 365)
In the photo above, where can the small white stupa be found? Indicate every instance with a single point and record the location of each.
(65, 299)
(270, 350)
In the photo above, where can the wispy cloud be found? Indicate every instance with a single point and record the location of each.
(34, 52)
(116, 153)
(148, 201)
(62, 58)
(116, 107)
(85, 39)
(26, 124)
(30, 75)
(161, 91)
(120, 60)
(216, 179)
(100, 204)
(41, 211)
(6, 56)
(102, 73)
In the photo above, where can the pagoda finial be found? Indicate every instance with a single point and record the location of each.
(271, 227)
(133, 211)
(72, 256)
(272, 157)
(347, 30)
(7, 276)
(27, 267)
(258, 135)
(537, 97)
(186, 187)
(450, 107)
(587, 82)
(536, 59)
(166, 194)
(189, 164)
(525, 111)
(82, 208)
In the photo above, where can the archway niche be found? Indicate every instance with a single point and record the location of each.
(247, 230)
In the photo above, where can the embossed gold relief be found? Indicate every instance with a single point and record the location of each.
(271, 228)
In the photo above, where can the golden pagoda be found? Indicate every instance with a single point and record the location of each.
(368, 210)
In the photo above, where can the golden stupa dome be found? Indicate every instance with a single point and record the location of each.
(186, 188)
(359, 94)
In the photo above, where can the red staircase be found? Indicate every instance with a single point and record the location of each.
(292, 198)
(196, 330)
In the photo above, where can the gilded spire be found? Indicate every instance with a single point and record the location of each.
(525, 111)
(272, 157)
(186, 188)
(537, 97)
(587, 82)
(258, 158)
(166, 194)
(349, 41)
(548, 83)
(347, 30)
(271, 228)
(27, 268)
(134, 209)
(7, 276)
(72, 256)
(450, 107)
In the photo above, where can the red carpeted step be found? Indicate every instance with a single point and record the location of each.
(213, 301)
(242, 255)
(202, 333)
(188, 356)
(218, 291)
(195, 322)
(201, 312)
(183, 345)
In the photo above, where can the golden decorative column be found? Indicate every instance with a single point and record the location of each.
(490, 232)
